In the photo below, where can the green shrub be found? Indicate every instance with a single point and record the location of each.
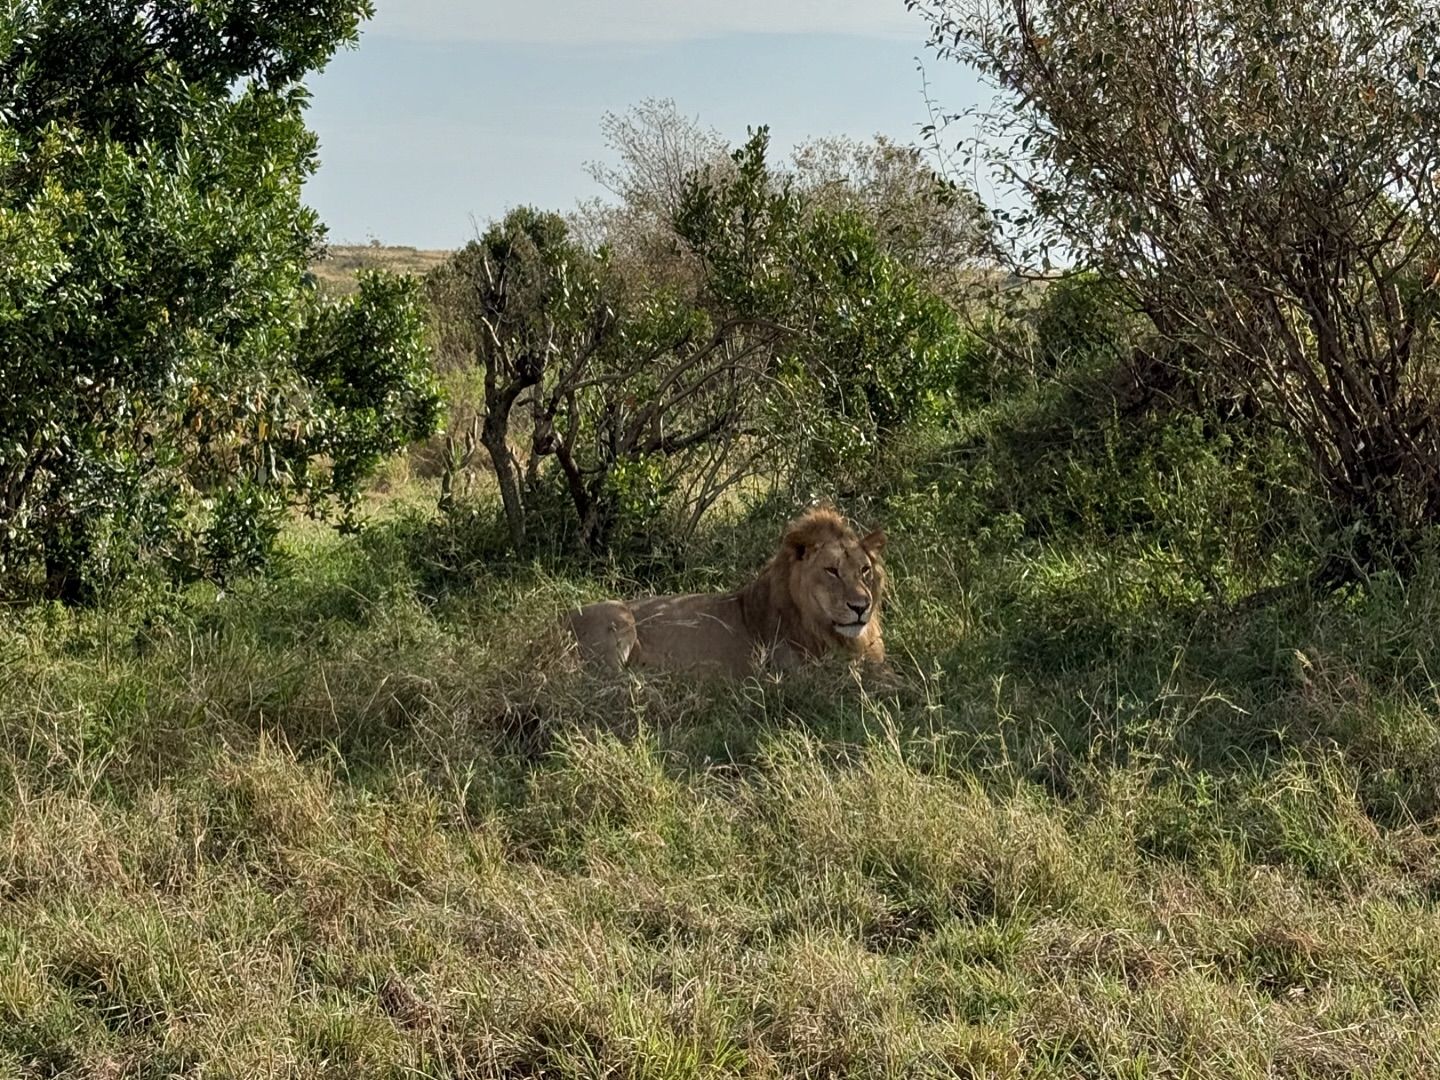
(1082, 321)
(872, 346)
(159, 347)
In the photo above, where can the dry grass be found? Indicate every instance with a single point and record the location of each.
(336, 272)
(334, 824)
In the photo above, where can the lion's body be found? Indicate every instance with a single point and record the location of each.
(672, 632)
(819, 594)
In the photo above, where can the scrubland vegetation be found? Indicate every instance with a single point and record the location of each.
(1151, 787)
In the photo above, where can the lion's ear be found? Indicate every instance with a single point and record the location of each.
(799, 538)
(875, 542)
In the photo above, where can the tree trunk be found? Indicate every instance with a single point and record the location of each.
(580, 496)
(493, 437)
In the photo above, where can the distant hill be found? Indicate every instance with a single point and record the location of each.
(337, 270)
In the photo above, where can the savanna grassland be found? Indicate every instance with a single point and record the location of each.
(338, 819)
(293, 781)
(336, 272)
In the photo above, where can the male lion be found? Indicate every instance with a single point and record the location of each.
(820, 592)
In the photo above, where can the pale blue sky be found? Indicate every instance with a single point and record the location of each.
(452, 111)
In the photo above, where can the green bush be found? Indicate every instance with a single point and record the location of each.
(871, 345)
(628, 398)
(886, 351)
(167, 379)
(1082, 320)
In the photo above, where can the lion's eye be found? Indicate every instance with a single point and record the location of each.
(833, 570)
(866, 571)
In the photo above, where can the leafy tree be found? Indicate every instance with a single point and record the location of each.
(638, 387)
(1262, 177)
(633, 396)
(937, 229)
(167, 378)
(878, 346)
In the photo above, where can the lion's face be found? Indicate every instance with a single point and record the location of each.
(838, 583)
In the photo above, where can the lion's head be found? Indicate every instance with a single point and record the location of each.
(825, 584)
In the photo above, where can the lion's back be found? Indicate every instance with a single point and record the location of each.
(684, 632)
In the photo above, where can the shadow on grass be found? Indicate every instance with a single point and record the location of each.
(424, 645)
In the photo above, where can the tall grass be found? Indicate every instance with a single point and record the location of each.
(1099, 821)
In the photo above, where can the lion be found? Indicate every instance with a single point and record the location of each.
(820, 593)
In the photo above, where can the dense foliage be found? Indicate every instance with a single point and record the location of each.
(871, 335)
(622, 397)
(780, 337)
(1262, 177)
(168, 382)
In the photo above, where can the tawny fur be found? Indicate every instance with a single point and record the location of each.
(804, 604)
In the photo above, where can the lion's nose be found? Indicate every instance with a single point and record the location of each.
(861, 607)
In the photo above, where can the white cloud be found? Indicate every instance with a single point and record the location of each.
(597, 22)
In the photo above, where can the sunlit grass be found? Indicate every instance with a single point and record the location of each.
(344, 820)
